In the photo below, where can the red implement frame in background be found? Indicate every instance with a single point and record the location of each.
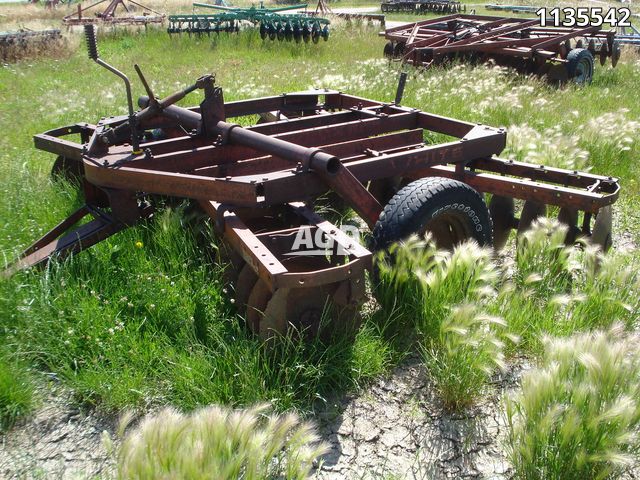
(109, 16)
(514, 41)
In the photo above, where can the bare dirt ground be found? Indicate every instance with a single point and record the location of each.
(59, 441)
(395, 429)
(398, 429)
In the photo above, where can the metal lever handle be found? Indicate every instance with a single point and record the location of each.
(144, 83)
(92, 47)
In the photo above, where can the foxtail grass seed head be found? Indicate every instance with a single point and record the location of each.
(467, 352)
(577, 415)
(222, 443)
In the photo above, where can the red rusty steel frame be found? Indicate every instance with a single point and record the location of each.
(428, 40)
(268, 265)
(326, 140)
(58, 241)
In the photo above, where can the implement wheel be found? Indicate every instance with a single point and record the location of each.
(580, 66)
(388, 50)
(67, 169)
(450, 210)
(398, 50)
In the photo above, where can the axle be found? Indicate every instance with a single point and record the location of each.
(232, 133)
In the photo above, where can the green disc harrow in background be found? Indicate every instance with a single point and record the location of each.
(272, 24)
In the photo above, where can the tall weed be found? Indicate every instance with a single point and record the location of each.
(577, 415)
(469, 349)
(217, 442)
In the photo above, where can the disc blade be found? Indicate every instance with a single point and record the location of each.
(604, 50)
(256, 305)
(615, 53)
(530, 212)
(232, 262)
(502, 210)
(246, 280)
(601, 234)
(569, 217)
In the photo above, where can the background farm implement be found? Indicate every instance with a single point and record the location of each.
(560, 54)
(259, 186)
(422, 6)
(14, 45)
(323, 9)
(629, 36)
(272, 23)
(512, 8)
(117, 12)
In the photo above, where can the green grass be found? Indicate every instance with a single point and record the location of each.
(16, 391)
(138, 326)
(558, 290)
(127, 326)
(467, 317)
(469, 350)
(445, 297)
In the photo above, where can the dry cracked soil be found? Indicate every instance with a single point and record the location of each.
(398, 429)
(59, 441)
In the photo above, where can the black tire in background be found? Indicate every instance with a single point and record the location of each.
(388, 50)
(580, 66)
(398, 50)
(450, 210)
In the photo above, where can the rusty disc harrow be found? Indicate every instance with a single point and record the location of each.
(257, 184)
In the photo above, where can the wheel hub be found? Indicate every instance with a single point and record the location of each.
(309, 321)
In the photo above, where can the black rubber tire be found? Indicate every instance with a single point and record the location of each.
(70, 170)
(438, 200)
(580, 66)
(398, 50)
(388, 50)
